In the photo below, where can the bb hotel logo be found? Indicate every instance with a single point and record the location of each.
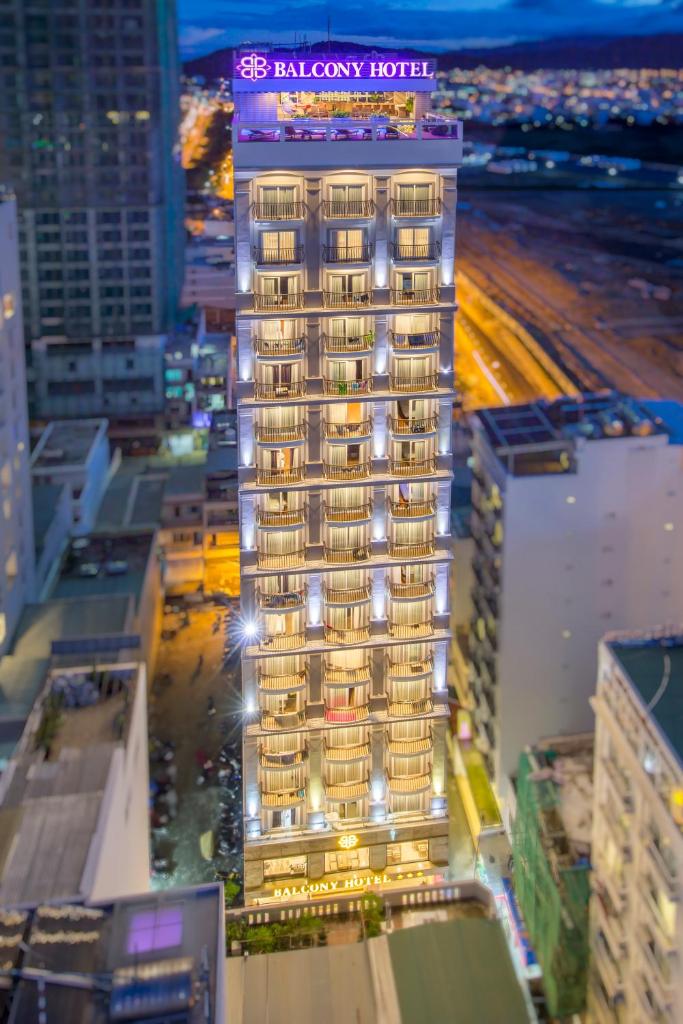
(256, 66)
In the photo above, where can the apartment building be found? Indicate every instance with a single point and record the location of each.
(577, 506)
(16, 532)
(345, 194)
(88, 141)
(636, 921)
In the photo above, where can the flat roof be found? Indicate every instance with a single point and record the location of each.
(185, 480)
(66, 443)
(655, 668)
(59, 619)
(112, 563)
(45, 499)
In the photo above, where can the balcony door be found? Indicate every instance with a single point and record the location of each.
(413, 243)
(347, 194)
(278, 246)
(347, 284)
(274, 195)
(415, 197)
(280, 285)
(414, 281)
(345, 369)
(346, 244)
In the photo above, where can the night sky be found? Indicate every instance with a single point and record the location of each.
(206, 25)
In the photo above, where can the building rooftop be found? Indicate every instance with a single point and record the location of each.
(66, 443)
(143, 957)
(655, 668)
(185, 481)
(21, 680)
(45, 499)
(109, 564)
(132, 499)
(78, 618)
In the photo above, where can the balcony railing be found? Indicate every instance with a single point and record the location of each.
(418, 425)
(412, 509)
(415, 252)
(277, 256)
(272, 435)
(358, 471)
(275, 348)
(340, 209)
(346, 300)
(348, 253)
(415, 467)
(411, 630)
(271, 477)
(347, 555)
(357, 343)
(346, 431)
(433, 127)
(357, 752)
(283, 641)
(289, 683)
(342, 514)
(347, 387)
(280, 391)
(289, 560)
(398, 671)
(278, 519)
(410, 591)
(411, 708)
(409, 384)
(335, 676)
(346, 595)
(410, 748)
(285, 720)
(282, 601)
(341, 792)
(288, 799)
(416, 207)
(345, 714)
(409, 783)
(414, 296)
(281, 760)
(347, 636)
(278, 211)
(415, 342)
(420, 550)
(270, 303)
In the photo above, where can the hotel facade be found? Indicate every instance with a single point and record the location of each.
(345, 196)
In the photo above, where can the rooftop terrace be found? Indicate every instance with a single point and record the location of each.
(105, 564)
(66, 443)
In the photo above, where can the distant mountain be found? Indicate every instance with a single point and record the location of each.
(584, 52)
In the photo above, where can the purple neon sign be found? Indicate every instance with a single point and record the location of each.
(253, 67)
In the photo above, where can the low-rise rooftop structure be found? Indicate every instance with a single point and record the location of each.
(75, 452)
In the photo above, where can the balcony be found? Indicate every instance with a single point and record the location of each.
(410, 748)
(280, 519)
(415, 342)
(343, 514)
(278, 211)
(280, 391)
(277, 348)
(347, 388)
(416, 207)
(288, 560)
(346, 555)
(345, 755)
(275, 303)
(401, 251)
(413, 467)
(346, 300)
(342, 792)
(411, 708)
(407, 385)
(341, 209)
(434, 128)
(279, 800)
(283, 721)
(347, 431)
(419, 549)
(357, 471)
(346, 595)
(357, 343)
(400, 671)
(411, 591)
(347, 636)
(333, 676)
(289, 683)
(409, 783)
(281, 602)
(281, 435)
(277, 477)
(282, 641)
(278, 256)
(412, 509)
(414, 296)
(344, 714)
(411, 630)
(280, 760)
(348, 253)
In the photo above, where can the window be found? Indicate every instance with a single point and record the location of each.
(154, 930)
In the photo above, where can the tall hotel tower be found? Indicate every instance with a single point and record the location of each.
(345, 195)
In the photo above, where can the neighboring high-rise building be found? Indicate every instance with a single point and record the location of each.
(637, 904)
(88, 141)
(345, 195)
(16, 519)
(577, 512)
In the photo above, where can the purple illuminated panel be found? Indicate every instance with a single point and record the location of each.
(255, 66)
(152, 930)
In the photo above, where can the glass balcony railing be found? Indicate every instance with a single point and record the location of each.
(416, 341)
(343, 514)
(347, 431)
(341, 209)
(277, 256)
(415, 252)
(273, 303)
(278, 211)
(348, 253)
(286, 560)
(281, 390)
(273, 477)
(416, 207)
(346, 300)
(406, 384)
(275, 348)
(279, 518)
(414, 467)
(346, 555)
(272, 435)
(354, 343)
(414, 296)
(356, 471)
(346, 388)
(412, 509)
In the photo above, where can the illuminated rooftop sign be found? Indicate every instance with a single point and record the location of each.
(255, 67)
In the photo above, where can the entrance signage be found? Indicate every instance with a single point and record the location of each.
(354, 884)
(256, 66)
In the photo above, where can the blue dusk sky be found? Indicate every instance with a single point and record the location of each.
(207, 25)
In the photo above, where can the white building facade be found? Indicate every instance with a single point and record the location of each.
(345, 231)
(577, 511)
(637, 881)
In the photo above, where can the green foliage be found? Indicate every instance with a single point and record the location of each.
(277, 936)
(373, 915)
(49, 724)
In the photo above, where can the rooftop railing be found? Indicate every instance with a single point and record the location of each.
(436, 128)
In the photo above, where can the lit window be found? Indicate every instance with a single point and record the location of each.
(566, 633)
(157, 929)
(571, 500)
(668, 527)
(8, 307)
